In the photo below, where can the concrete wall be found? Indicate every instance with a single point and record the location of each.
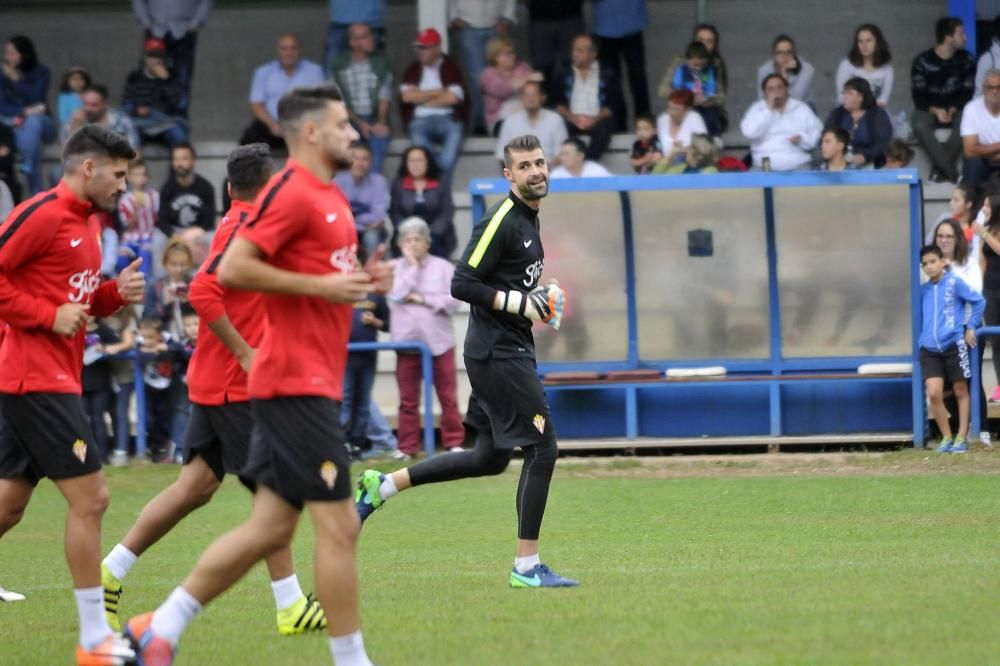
(235, 41)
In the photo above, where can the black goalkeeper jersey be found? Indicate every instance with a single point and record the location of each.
(504, 254)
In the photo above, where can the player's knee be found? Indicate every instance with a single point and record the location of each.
(10, 516)
(960, 389)
(934, 393)
(95, 504)
(546, 453)
(495, 464)
(200, 495)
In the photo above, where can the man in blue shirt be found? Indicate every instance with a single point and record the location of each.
(271, 81)
(343, 13)
(618, 26)
(368, 193)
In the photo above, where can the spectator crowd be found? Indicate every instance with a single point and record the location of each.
(567, 90)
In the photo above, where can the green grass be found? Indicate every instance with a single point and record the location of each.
(785, 569)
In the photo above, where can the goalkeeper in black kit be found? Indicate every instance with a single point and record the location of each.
(500, 276)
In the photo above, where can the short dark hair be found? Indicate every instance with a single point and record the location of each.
(97, 141)
(697, 50)
(136, 163)
(248, 169)
(881, 54)
(361, 144)
(763, 84)
(433, 170)
(897, 150)
(303, 100)
(863, 88)
(577, 143)
(645, 117)
(946, 27)
(539, 84)
(96, 88)
(183, 145)
(188, 311)
(839, 133)
(520, 144)
(931, 249)
(149, 321)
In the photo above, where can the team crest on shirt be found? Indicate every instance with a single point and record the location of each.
(539, 422)
(80, 450)
(328, 472)
(345, 259)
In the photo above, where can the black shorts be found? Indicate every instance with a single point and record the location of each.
(299, 451)
(509, 402)
(952, 364)
(45, 434)
(220, 435)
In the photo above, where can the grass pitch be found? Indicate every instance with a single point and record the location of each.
(740, 560)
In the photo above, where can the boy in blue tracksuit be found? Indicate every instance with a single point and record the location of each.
(945, 338)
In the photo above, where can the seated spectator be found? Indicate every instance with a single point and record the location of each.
(898, 155)
(177, 24)
(589, 98)
(433, 101)
(371, 315)
(344, 14)
(701, 156)
(646, 149)
(868, 59)
(474, 25)
(74, 81)
(368, 193)
(421, 308)
(942, 82)
(501, 83)
(867, 124)
(990, 59)
(695, 74)
(781, 129)
(785, 62)
(138, 210)
(544, 123)
(963, 207)
(96, 110)
(24, 89)
(680, 122)
(8, 161)
(166, 297)
(420, 191)
(707, 34)
(980, 130)
(365, 80)
(833, 150)
(272, 80)
(155, 99)
(186, 199)
(618, 28)
(573, 162)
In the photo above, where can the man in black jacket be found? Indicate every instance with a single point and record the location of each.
(186, 199)
(154, 97)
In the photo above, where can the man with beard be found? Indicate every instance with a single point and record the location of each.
(298, 248)
(50, 280)
(186, 199)
(97, 111)
(499, 277)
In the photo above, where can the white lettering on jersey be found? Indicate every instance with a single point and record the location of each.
(83, 284)
(534, 271)
(345, 259)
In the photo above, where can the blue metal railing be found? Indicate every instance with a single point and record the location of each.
(975, 426)
(426, 363)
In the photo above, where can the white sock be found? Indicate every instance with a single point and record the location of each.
(119, 561)
(172, 618)
(286, 591)
(93, 622)
(349, 650)
(526, 563)
(388, 488)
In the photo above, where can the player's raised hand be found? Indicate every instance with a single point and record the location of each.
(381, 271)
(70, 317)
(132, 283)
(340, 287)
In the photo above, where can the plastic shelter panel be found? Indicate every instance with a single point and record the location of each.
(701, 274)
(585, 250)
(843, 270)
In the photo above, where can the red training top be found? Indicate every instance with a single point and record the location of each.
(214, 375)
(303, 225)
(50, 254)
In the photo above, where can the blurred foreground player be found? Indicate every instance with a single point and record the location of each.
(50, 278)
(231, 327)
(499, 276)
(300, 250)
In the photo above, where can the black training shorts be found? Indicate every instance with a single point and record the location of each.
(45, 434)
(299, 451)
(951, 364)
(220, 435)
(509, 402)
